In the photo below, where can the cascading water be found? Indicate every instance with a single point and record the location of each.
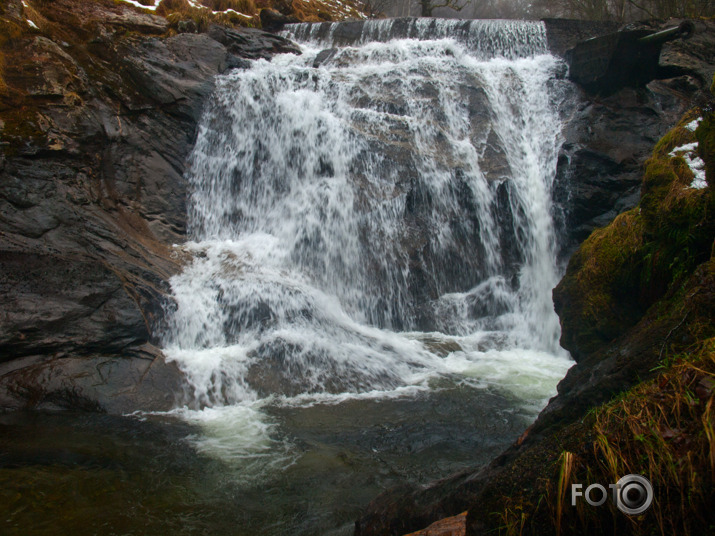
(372, 222)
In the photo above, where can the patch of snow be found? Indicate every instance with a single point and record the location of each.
(695, 163)
(197, 5)
(693, 124)
(697, 166)
(687, 148)
(32, 24)
(142, 6)
(232, 11)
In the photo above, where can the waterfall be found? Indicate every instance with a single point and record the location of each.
(374, 219)
(482, 38)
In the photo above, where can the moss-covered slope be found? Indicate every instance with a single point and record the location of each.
(620, 271)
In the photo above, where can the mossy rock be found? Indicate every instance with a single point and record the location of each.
(705, 135)
(623, 269)
(593, 299)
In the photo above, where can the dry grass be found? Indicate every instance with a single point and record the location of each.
(304, 10)
(663, 429)
(567, 459)
(177, 11)
(3, 84)
(513, 519)
(10, 33)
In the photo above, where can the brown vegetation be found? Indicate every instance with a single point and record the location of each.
(245, 12)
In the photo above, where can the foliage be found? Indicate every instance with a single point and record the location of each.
(226, 12)
(664, 430)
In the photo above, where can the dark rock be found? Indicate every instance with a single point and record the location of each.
(607, 142)
(563, 34)
(409, 508)
(607, 139)
(95, 130)
(323, 57)
(273, 21)
(176, 72)
(186, 26)
(694, 56)
(141, 380)
(133, 21)
(251, 44)
(71, 305)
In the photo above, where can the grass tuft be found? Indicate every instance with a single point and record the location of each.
(663, 429)
(567, 459)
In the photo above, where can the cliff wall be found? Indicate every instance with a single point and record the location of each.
(99, 105)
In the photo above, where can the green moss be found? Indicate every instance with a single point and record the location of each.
(658, 176)
(595, 300)
(622, 270)
(705, 135)
(606, 254)
(677, 136)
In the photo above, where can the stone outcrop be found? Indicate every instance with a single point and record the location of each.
(98, 112)
(607, 139)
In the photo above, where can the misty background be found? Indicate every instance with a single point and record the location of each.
(616, 10)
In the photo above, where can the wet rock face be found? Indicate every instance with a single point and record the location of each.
(98, 112)
(607, 139)
(140, 380)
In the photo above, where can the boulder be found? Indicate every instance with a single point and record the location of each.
(607, 139)
(273, 21)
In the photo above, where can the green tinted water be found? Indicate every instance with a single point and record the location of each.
(67, 473)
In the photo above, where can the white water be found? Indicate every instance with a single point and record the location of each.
(350, 231)
(484, 39)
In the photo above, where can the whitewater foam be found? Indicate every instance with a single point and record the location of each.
(371, 228)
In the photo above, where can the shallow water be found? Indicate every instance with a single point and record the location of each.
(65, 473)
